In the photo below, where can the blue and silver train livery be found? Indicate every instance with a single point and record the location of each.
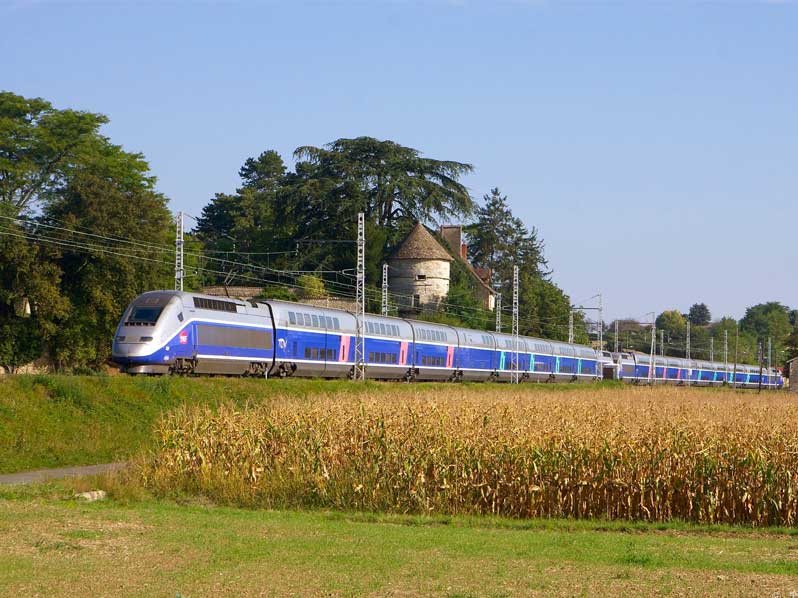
(165, 332)
(638, 368)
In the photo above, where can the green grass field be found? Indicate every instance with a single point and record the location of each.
(52, 545)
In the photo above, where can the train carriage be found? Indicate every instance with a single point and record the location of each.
(511, 357)
(543, 366)
(387, 350)
(174, 332)
(475, 356)
(433, 351)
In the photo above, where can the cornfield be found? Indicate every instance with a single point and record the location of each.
(705, 456)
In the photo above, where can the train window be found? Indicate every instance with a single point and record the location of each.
(308, 319)
(328, 320)
(314, 320)
(144, 315)
(291, 317)
(180, 317)
(229, 336)
(336, 324)
(307, 352)
(382, 328)
(214, 304)
(315, 353)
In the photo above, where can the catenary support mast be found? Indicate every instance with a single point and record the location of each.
(359, 371)
(515, 371)
(385, 289)
(179, 269)
(498, 312)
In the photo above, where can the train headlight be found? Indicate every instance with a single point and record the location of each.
(145, 339)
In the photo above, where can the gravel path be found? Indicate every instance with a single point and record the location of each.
(40, 475)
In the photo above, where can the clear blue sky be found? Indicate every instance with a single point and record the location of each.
(654, 145)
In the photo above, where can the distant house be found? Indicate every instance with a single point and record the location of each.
(421, 269)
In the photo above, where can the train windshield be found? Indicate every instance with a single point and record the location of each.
(145, 315)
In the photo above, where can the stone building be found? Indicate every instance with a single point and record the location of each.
(420, 270)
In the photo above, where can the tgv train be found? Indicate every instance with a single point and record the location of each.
(636, 368)
(165, 332)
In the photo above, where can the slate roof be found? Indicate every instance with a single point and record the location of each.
(421, 245)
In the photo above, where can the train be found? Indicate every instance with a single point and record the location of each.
(176, 332)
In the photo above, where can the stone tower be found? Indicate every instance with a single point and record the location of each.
(420, 270)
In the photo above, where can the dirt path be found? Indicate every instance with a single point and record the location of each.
(40, 475)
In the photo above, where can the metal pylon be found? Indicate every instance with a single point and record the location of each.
(179, 270)
(360, 300)
(385, 289)
(498, 312)
(515, 370)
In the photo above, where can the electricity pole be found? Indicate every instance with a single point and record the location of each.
(385, 289)
(712, 348)
(360, 299)
(617, 338)
(736, 352)
(498, 312)
(662, 343)
(601, 322)
(179, 252)
(687, 355)
(571, 327)
(726, 354)
(770, 362)
(651, 366)
(515, 325)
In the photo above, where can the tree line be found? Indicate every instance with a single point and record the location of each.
(743, 340)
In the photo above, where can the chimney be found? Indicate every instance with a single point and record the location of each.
(453, 235)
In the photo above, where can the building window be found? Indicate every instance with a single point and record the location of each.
(416, 300)
(421, 277)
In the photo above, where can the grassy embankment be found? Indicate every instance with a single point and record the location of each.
(54, 421)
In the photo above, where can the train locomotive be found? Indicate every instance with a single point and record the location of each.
(174, 332)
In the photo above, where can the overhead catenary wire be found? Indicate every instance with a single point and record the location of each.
(98, 244)
(232, 263)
